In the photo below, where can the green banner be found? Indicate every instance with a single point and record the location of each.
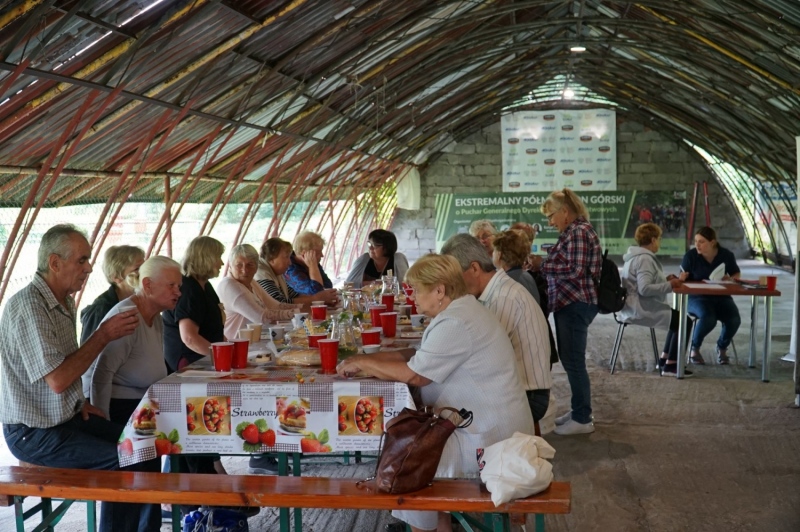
(614, 215)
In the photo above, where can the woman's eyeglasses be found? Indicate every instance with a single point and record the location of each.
(372, 245)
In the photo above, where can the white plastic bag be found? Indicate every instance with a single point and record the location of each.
(517, 467)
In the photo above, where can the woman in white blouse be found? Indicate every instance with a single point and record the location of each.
(465, 361)
(243, 299)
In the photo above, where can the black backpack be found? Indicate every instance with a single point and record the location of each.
(610, 293)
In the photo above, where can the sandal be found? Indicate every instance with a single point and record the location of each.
(697, 358)
(722, 357)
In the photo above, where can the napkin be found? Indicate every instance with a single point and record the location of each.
(718, 273)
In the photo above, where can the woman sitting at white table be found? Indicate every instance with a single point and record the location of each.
(465, 361)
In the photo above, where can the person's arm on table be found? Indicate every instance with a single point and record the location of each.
(190, 335)
(387, 365)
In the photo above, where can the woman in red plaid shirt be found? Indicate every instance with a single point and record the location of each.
(570, 267)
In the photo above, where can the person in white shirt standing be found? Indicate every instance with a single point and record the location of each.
(516, 310)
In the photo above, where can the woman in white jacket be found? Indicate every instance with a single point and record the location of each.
(647, 286)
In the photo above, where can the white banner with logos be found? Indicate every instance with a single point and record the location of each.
(551, 150)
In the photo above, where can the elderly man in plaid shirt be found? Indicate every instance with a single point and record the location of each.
(46, 418)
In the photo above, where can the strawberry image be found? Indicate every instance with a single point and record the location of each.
(313, 443)
(163, 446)
(126, 447)
(250, 434)
(267, 438)
(176, 449)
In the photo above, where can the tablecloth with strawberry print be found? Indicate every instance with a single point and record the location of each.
(259, 409)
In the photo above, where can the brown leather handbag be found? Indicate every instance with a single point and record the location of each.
(412, 447)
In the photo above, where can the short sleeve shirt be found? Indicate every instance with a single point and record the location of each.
(37, 334)
(199, 304)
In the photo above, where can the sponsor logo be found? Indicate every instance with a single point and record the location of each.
(548, 150)
(512, 129)
(548, 128)
(529, 139)
(604, 159)
(586, 138)
(532, 151)
(513, 140)
(585, 171)
(513, 184)
(512, 173)
(549, 117)
(549, 161)
(568, 172)
(584, 149)
(602, 148)
(531, 183)
(586, 182)
(603, 181)
(566, 127)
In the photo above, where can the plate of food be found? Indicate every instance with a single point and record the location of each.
(144, 421)
(292, 414)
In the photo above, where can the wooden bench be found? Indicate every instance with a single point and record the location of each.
(271, 491)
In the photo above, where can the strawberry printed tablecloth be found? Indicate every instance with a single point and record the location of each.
(262, 408)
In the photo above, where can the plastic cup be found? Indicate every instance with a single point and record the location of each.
(375, 314)
(256, 328)
(389, 324)
(222, 353)
(409, 292)
(417, 320)
(388, 300)
(413, 306)
(240, 347)
(314, 303)
(329, 354)
(371, 336)
(313, 339)
(277, 333)
(772, 282)
(319, 312)
(299, 318)
(245, 334)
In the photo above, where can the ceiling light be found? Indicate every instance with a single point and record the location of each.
(569, 94)
(577, 48)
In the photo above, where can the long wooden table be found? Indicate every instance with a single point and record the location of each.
(728, 289)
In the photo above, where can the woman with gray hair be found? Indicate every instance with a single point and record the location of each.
(485, 231)
(305, 274)
(128, 366)
(120, 266)
(243, 298)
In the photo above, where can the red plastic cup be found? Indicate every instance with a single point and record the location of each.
(222, 353)
(409, 292)
(319, 312)
(313, 339)
(772, 282)
(388, 300)
(413, 306)
(389, 324)
(240, 348)
(371, 336)
(329, 354)
(375, 314)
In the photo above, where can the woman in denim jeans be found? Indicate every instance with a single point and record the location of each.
(570, 268)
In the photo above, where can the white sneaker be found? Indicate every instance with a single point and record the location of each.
(573, 427)
(562, 419)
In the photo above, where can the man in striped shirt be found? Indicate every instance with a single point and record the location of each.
(516, 310)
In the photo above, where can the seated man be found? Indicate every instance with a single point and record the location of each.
(517, 312)
(46, 418)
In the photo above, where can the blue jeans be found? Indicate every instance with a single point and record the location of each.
(572, 328)
(710, 310)
(78, 444)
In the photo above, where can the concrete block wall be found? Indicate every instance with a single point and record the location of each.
(646, 160)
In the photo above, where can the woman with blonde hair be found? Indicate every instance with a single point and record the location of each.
(571, 267)
(305, 274)
(243, 298)
(485, 231)
(197, 321)
(465, 361)
(120, 266)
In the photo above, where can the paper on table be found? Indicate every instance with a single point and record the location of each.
(203, 373)
(704, 285)
(718, 273)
